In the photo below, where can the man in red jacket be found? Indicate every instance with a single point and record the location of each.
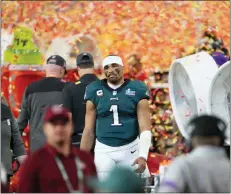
(57, 167)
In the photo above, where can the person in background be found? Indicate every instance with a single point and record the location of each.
(135, 70)
(57, 167)
(119, 180)
(73, 95)
(206, 169)
(117, 115)
(10, 140)
(40, 94)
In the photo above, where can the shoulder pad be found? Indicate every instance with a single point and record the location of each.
(78, 82)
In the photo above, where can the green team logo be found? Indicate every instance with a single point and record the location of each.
(23, 39)
(23, 49)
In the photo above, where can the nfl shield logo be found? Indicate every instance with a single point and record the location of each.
(114, 93)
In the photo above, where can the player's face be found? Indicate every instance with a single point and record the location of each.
(113, 73)
(58, 131)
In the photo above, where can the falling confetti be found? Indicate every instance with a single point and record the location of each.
(151, 28)
(160, 31)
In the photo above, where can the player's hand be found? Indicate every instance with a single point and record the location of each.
(141, 165)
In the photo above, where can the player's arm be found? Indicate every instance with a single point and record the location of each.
(24, 115)
(88, 136)
(143, 114)
(144, 120)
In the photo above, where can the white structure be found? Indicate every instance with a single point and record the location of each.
(219, 96)
(190, 79)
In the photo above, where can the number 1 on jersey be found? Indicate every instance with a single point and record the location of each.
(114, 109)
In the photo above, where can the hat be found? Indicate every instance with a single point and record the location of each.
(219, 58)
(119, 180)
(84, 58)
(57, 60)
(207, 125)
(112, 59)
(56, 111)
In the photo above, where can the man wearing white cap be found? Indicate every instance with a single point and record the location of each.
(117, 115)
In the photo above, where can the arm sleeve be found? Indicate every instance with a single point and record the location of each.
(143, 92)
(28, 182)
(67, 98)
(24, 115)
(16, 140)
(174, 178)
(90, 95)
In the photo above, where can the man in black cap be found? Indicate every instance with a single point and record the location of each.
(206, 169)
(40, 94)
(73, 94)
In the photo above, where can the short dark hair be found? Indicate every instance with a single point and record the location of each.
(85, 65)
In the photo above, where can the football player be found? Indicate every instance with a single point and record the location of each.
(117, 115)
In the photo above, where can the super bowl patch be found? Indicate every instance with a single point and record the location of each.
(129, 92)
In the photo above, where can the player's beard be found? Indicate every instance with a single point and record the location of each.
(117, 79)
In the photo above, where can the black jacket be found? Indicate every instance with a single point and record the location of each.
(37, 97)
(73, 99)
(10, 138)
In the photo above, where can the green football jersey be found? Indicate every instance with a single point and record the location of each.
(116, 119)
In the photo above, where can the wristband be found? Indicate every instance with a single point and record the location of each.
(145, 144)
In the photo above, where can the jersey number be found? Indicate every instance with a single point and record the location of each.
(114, 109)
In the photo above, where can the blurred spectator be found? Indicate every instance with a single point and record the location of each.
(10, 139)
(219, 58)
(212, 44)
(215, 46)
(40, 94)
(206, 169)
(119, 180)
(58, 167)
(135, 70)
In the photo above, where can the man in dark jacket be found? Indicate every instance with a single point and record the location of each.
(73, 95)
(10, 139)
(40, 94)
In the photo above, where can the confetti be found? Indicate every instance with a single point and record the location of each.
(159, 31)
(150, 28)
